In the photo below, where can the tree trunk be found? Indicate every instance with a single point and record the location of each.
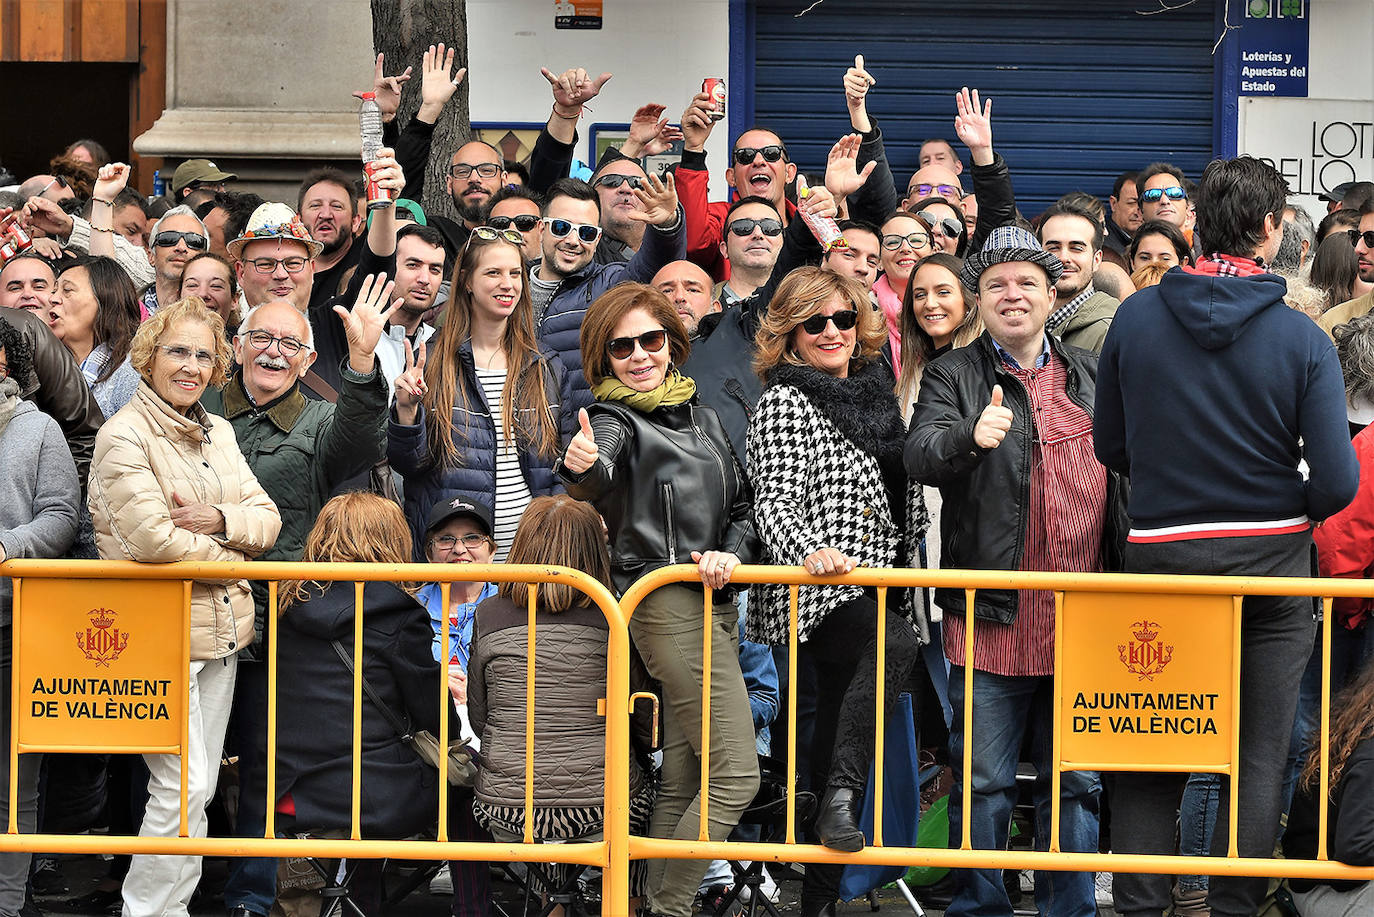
(402, 30)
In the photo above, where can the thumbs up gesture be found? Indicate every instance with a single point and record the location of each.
(993, 423)
(581, 453)
(857, 81)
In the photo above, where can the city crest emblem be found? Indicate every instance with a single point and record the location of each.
(1146, 655)
(102, 642)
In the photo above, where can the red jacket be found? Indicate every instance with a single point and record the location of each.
(706, 221)
(1345, 542)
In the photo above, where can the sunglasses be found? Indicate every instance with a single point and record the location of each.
(586, 232)
(623, 348)
(492, 233)
(843, 322)
(615, 181)
(261, 340)
(927, 190)
(745, 226)
(1356, 236)
(1173, 193)
(771, 153)
(523, 222)
(914, 239)
(948, 226)
(170, 237)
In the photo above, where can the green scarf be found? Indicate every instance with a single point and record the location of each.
(674, 390)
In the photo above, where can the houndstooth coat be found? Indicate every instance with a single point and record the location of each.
(814, 488)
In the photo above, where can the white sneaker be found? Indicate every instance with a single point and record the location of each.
(1102, 889)
(442, 883)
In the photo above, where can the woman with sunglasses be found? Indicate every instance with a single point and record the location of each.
(948, 228)
(825, 452)
(659, 468)
(904, 241)
(486, 410)
(93, 309)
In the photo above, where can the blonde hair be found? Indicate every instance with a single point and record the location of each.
(190, 309)
(563, 532)
(1148, 275)
(801, 295)
(356, 527)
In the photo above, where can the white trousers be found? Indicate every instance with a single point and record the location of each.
(161, 886)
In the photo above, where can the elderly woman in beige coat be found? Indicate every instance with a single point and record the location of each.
(168, 483)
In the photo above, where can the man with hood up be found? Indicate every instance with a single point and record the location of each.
(1210, 392)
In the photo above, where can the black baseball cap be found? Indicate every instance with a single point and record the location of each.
(460, 506)
(1336, 194)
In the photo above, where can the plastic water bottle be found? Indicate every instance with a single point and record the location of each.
(159, 185)
(370, 127)
(826, 230)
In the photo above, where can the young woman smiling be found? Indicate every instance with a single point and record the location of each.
(487, 413)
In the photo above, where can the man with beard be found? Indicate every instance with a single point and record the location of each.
(1364, 255)
(419, 272)
(689, 289)
(476, 172)
(1081, 314)
(327, 208)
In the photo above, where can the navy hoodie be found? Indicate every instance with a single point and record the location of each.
(1210, 390)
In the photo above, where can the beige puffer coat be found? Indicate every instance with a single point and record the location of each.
(144, 454)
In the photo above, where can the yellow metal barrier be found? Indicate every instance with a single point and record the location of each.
(611, 853)
(1232, 588)
(618, 848)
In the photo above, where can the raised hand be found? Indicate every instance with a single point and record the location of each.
(842, 176)
(827, 561)
(715, 567)
(387, 88)
(409, 386)
(821, 203)
(110, 180)
(650, 133)
(697, 123)
(973, 124)
(201, 518)
(581, 454)
(386, 171)
(657, 201)
(857, 82)
(438, 82)
(44, 215)
(573, 88)
(993, 423)
(364, 324)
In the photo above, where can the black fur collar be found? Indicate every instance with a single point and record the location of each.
(862, 406)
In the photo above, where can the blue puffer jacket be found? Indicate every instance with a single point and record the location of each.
(561, 326)
(428, 480)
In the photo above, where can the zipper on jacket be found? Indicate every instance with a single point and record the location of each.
(720, 463)
(668, 521)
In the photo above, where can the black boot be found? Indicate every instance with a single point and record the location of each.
(837, 822)
(825, 910)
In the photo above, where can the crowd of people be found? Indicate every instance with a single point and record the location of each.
(613, 372)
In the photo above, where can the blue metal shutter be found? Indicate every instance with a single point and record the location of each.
(1081, 90)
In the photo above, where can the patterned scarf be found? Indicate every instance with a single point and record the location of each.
(675, 389)
(1219, 265)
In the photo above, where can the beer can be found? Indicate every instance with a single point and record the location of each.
(715, 88)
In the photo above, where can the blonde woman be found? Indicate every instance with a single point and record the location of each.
(168, 483)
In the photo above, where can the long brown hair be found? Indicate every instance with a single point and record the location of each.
(564, 532)
(356, 527)
(801, 295)
(117, 314)
(525, 413)
(1352, 721)
(918, 348)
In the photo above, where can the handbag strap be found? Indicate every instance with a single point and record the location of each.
(402, 728)
(315, 382)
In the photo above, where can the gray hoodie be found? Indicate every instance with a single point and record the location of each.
(39, 491)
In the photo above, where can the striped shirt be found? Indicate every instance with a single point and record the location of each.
(512, 492)
(1064, 525)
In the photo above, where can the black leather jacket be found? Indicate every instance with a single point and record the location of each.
(667, 483)
(986, 492)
